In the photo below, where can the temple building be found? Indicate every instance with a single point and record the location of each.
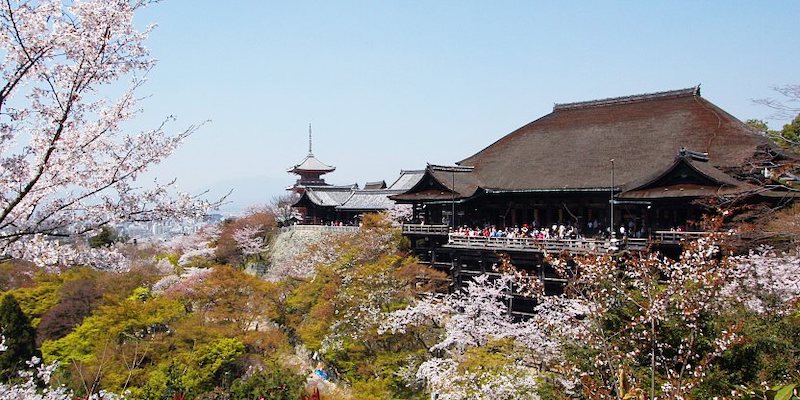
(322, 203)
(638, 166)
(346, 204)
(637, 162)
(310, 171)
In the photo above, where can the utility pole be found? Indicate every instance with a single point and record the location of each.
(613, 232)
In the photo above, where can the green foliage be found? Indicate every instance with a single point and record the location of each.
(335, 312)
(140, 294)
(759, 125)
(789, 135)
(785, 392)
(110, 324)
(197, 371)
(375, 220)
(763, 354)
(171, 257)
(20, 338)
(77, 300)
(311, 307)
(228, 297)
(211, 363)
(371, 389)
(36, 300)
(272, 383)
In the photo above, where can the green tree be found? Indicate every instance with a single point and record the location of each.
(272, 383)
(20, 338)
(105, 238)
(789, 135)
(759, 125)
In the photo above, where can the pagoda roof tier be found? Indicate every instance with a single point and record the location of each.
(311, 164)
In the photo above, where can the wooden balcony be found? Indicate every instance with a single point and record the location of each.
(577, 246)
(418, 229)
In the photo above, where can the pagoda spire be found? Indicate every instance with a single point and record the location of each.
(309, 140)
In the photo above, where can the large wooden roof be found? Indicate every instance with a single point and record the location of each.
(571, 148)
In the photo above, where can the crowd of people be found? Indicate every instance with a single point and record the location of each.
(592, 229)
(525, 231)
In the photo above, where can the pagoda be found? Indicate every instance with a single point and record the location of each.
(310, 171)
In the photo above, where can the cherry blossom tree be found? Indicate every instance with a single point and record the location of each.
(281, 208)
(30, 388)
(400, 213)
(628, 325)
(467, 323)
(650, 313)
(250, 241)
(67, 163)
(199, 245)
(766, 279)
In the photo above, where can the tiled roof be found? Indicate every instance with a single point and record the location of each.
(328, 196)
(442, 182)
(310, 163)
(375, 185)
(708, 181)
(368, 200)
(571, 148)
(407, 179)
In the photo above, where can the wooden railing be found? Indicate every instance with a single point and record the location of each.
(551, 245)
(419, 229)
(320, 228)
(548, 245)
(675, 237)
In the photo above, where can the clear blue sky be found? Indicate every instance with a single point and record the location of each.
(393, 85)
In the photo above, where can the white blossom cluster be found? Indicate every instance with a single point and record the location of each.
(197, 245)
(51, 253)
(660, 290)
(765, 278)
(702, 282)
(250, 241)
(400, 213)
(30, 390)
(475, 317)
(183, 282)
(446, 382)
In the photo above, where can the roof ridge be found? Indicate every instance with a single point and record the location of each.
(688, 92)
(450, 168)
(332, 187)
